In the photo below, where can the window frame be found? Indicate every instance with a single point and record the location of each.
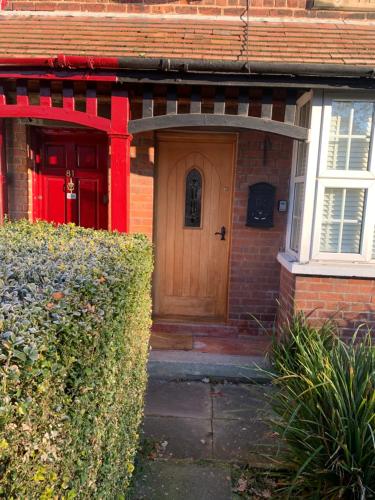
(367, 220)
(344, 179)
(323, 171)
(294, 179)
(309, 258)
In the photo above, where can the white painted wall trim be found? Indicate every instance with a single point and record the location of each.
(334, 269)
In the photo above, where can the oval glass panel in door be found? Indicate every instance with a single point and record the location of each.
(193, 199)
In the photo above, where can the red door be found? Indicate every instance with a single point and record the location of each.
(72, 178)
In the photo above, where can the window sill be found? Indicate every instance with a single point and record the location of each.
(319, 268)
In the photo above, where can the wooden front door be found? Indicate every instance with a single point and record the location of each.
(72, 178)
(193, 225)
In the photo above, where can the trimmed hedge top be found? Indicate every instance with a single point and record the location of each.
(74, 328)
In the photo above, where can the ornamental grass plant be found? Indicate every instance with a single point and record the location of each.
(74, 329)
(325, 412)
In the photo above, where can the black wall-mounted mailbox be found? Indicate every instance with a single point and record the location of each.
(260, 206)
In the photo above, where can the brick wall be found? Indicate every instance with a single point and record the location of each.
(349, 301)
(276, 8)
(254, 275)
(19, 183)
(286, 297)
(142, 184)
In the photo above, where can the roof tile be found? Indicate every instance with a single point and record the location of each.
(47, 36)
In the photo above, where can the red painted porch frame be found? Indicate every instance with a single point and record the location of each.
(120, 161)
(75, 75)
(3, 193)
(116, 128)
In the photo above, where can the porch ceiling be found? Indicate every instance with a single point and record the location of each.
(294, 42)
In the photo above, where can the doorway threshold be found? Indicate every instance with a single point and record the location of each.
(189, 320)
(213, 338)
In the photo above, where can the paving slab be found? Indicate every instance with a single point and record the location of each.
(185, 437)
(240, 441)
(241, 402)
(173, 481)
(178, 399)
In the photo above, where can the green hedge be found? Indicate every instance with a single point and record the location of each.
(74, 329)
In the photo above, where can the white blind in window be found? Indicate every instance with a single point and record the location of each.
(350, 133)
(342, 220)
(373, 245)
(295, 234)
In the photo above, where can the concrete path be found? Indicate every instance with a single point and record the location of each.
(179, 481)
(201, 430)
(209, 421)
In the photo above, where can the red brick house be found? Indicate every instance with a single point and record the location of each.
(237, 134)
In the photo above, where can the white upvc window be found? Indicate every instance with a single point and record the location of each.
(298, 179)
(332, 191)
(344, 210)
(341, 220)
(346, 146)
(344, 220)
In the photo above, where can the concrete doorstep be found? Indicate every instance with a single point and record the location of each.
(189, 365)
(200, 429)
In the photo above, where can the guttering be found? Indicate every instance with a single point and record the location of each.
(64, 62)
(241, 67)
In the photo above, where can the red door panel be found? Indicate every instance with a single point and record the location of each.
(89, 203)
(55, 156)
(54, 199)
(73, 183)
(87, 157)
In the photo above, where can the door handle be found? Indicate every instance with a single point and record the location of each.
(222, 233)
